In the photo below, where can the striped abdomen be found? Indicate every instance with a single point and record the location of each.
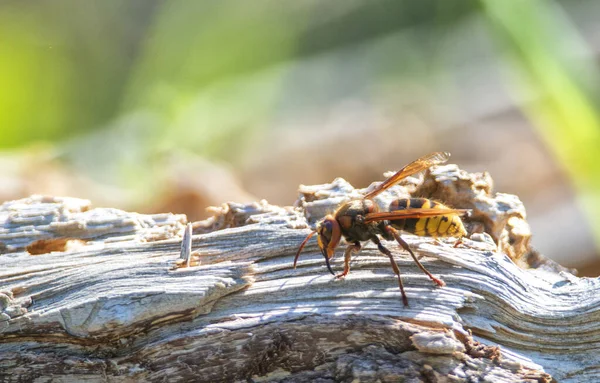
(443, 225)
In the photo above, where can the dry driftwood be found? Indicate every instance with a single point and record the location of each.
(102, 295)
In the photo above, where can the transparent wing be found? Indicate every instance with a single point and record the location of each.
(410, 169)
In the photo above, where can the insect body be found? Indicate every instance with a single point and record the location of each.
(360, 220)
(445, 225)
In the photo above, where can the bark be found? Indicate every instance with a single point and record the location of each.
(105, 295)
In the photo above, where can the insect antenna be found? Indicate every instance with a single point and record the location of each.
(302, 247)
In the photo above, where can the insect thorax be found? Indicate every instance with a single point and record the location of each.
(350, 217)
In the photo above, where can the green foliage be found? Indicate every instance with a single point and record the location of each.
(31, 75)
(536, 38)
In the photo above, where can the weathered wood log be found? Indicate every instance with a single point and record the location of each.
(102, 295)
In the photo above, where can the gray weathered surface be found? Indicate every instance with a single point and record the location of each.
(126, 310)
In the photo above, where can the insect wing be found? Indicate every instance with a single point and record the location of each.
(412, 213)
(410, 169)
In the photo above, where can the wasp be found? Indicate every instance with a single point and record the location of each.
(360, 220)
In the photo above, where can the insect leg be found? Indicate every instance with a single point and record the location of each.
(438, 242)
(404, 245)
(355, 248)
(458, 242)
(394, 267)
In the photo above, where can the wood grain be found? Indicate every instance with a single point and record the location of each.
(120, 307)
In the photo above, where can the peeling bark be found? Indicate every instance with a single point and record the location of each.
(123, 306)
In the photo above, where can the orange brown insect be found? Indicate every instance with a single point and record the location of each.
(360, 220)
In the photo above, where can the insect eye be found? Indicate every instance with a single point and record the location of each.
(325, 229)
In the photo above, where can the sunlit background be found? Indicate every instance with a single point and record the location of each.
(161, 106)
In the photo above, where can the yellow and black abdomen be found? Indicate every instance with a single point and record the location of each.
(443, 225)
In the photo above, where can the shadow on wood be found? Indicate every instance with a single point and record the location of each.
(120, 305)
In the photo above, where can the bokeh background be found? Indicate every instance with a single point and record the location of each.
(176, 105)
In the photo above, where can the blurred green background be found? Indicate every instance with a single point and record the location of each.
(176, 105)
